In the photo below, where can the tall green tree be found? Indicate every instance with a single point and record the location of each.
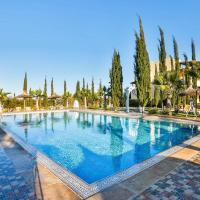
(65, 88)
(156, 89)
(187, 78)
(116, 81)
(83, 90)
(193, 50)
(25, 85)
(65, 94)
(45, 99)
(78, 91)
(121, 80)
(93, 92)
(142, 69)
(162, 52)
(172, 63)
(194, 64)
(87, 92)
(100, 94)
(52, 87)
(176, 55)
(83, 86)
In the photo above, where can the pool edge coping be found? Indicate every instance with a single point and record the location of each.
(84, 189)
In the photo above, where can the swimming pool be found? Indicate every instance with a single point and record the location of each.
(95, 146)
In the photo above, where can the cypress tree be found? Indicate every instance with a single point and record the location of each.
(45, 100)
(30, 91)
(100, 94)
(52, 87)
(78, 91)
(194, 79)
(65, 93)
(83, 91)
(83, 88)
(176, 55)
(187, 78)
(142, 68)
(121, 79)
(156, 89)
(25, 85)
(172, 63)
(193, 50)
(65, 89)
(87, 92)
(93, 92)
(162, 52)
(116, 80)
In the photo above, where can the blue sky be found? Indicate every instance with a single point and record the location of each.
(72, 39)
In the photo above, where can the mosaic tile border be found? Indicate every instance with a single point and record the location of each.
(79, 186)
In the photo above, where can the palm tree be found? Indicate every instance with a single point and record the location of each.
(169, 83)
(194, 73)
(37, 94)
(3, 96)
(65, 98)
(161, 82)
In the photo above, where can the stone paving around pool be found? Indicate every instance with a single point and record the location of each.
(181, 183)
(12, 185)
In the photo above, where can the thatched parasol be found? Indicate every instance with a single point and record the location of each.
(24, 96)
(54, 96)
(190, 91)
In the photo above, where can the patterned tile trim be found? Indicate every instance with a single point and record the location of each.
(82, 188)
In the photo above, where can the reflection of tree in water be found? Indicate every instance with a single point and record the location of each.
(116, 142)
(30, 118)
(143, 145)
(163, 138)
(83, 121)
(157, 135)
(40, 117)
(26, 126)
(67, 118)
(102, 124)
(92, 120)
(45, 115)
(78, 119)
(52, 122)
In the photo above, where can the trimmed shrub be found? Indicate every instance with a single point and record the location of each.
(166, 112)
(152, 110)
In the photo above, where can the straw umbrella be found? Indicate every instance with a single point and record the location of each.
(190, 91)
(24, 96)
(54, 97)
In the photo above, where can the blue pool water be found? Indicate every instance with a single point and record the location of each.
(96, 146)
